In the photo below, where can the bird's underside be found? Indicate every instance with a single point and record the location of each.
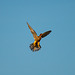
(36, 45)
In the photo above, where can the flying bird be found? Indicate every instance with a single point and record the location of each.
(35, 46)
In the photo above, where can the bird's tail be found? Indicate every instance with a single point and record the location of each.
(34, 48)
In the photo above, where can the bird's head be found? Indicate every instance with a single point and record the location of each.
(40, 34)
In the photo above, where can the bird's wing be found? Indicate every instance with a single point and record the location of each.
(46, 33)
(32, 31)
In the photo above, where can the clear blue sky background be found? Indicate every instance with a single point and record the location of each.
(57, 55)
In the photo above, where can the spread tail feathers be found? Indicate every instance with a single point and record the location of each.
(34, 48)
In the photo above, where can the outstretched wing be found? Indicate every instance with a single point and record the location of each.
(46, 33)
(32, 31)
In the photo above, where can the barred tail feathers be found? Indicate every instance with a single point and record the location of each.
(34, 48)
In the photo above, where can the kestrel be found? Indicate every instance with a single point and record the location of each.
(36, 45)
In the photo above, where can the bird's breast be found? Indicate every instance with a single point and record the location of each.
(38, 39)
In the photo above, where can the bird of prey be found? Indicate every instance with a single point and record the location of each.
(35, 46)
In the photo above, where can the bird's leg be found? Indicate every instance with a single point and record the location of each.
(38, 44)
(34, 43)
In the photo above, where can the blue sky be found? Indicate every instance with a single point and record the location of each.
(57, 55)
